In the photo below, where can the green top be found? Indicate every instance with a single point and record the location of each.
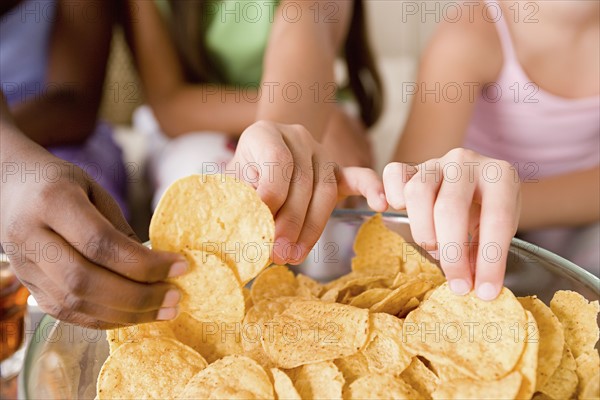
(236, 36)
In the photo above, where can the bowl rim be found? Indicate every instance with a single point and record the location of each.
(572, 269)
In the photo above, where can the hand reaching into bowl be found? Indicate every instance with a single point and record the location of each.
(464, 206)
(299, 181)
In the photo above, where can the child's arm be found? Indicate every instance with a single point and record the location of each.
(564, 200)
(301, 54)
(465, 54)
(66, 110)
(458, 61)
(180, 107)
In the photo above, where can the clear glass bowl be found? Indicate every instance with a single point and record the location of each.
(63, 360)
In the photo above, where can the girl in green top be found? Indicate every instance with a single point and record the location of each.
(211, 68)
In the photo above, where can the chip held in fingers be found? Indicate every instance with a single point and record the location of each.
(210, 290)
(215, 214)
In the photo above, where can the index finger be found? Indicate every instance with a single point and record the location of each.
(357, 181)
(498, 224)
(262, 158)
(92, 235)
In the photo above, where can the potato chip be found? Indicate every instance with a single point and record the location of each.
(450, 329)
(253, 327)
(374, 239)
(275, 281)
(321, 380)
(541, 396)
(353, 366)
(400, 279)
(353, 283)
(385, 351)
(331, 295)
(369, 297)
(528, 363)
(563, 382)
(135, 333)
(588, 369)
(213, 340)
(210, 290)
(346, 298)
(449, 372)
(308, 287)
(382, 265)
(265, 311)
(410, 305)
(284, 388)
(215, 214)
(344, 280)
(230, 377)
(420, 378)
(258, 354)
(551, 336)
(309, 331)
(410, 266)
(154, 368)
(248, 303)
(413, 255)
(396, 301)
(436, 278)
(591, 391)
(579, 320)
(505, 388)
(380, 386)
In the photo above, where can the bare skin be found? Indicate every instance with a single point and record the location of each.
(561, 46)
(181, 107)
(467, 219)
(66, 112)
(66, 237)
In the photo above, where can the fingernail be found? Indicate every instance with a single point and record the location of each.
(171, 298)
(297, 253)
(283, 248)
(460, 286)
(383, 204)
(486, 291)
(166, 314)
(178, 269)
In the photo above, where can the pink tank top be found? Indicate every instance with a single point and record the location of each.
(541, 134)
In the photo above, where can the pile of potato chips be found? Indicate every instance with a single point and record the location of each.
(389, 329)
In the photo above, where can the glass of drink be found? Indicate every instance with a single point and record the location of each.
(13, 306)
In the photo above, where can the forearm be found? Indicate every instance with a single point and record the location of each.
(61, 117)
(65, 110)
(205, 108)
(567, 200)
(13, 143)
(425, 138)
(301, 94)
(180, 107)
(298, 67)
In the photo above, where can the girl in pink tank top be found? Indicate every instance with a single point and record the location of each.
(519, 82)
